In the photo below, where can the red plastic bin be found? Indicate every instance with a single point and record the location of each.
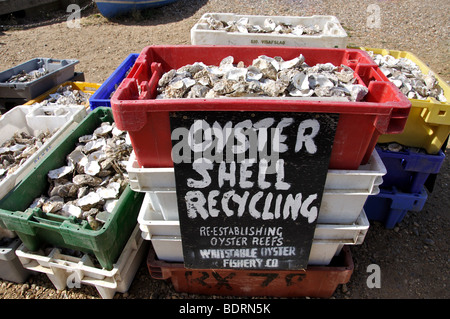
(135, 109)
(316, 281)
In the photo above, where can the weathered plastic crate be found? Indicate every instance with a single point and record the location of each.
(170, 248)
(338, 206)
(36, 228)
(85, 87)
(31, 120)
(62, 269)
(332, 35)
(408, 170)
(146, 119)
(59, 72)
(102, 96)
(315, 281)
(327, 242)
(11, 268)
(390, 206)
(365, 178)
(428, 124)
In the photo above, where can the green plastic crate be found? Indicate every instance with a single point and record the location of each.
(36, 228)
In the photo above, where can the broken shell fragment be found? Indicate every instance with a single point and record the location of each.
(93, 223)
(94, 145)
(60, 172)
(89, 201)
(84, 179)
(72, 210)
(110, 204)
(92, 168)
(53, 204)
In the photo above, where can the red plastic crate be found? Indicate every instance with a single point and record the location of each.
(136, 110)
(316, 281)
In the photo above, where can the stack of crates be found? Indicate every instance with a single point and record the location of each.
(355, 171)
(22, 115)
(18, 93)
(66, 249)
(422, 152)
(110, 255)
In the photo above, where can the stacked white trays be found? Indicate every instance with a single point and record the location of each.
(341, 221)
(332, 35)
(69, 271)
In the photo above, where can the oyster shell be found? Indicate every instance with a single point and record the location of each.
(60, 172)
(89, 201)
(53, 204)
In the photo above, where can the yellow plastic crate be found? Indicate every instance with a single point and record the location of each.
(428, 124)
(85, 87)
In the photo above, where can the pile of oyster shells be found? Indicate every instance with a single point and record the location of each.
(16, 150)
(242, 25)
(408, 77)
(89, 186)
(65, 95)
(266, 77)
(24, 77)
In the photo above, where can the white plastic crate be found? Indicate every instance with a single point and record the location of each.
(337, 207)
(149, 179)
(151, 222)
(19, 119)
(11, 268)
(332, 35)
(327, 243)
(345, 191)
(63, 269)
(170, 248)
(364, 179)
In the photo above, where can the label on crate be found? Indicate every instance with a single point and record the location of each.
(249, 186)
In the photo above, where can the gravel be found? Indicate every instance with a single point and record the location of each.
(413, 256)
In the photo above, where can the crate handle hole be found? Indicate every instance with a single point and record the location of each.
(442, 113)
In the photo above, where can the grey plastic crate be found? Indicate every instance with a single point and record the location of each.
(60, 71)
(11, 268)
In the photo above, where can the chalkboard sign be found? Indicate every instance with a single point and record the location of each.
(249, 186)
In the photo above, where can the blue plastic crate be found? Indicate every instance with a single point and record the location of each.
(102, 96)
(409, 169)
(389, 206)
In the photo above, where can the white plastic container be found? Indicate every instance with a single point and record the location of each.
(19, 119)
(337, 207)
(364, 179)
(149, 179)
(327, 243)
(332, 35)
(345, 191)
(11, 268)
(50, 117)
(68, 271)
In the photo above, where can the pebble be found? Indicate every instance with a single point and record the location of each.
(428, 241)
